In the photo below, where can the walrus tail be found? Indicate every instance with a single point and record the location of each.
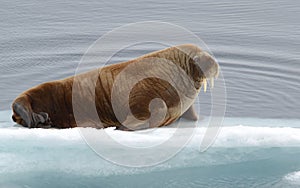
(24, 115)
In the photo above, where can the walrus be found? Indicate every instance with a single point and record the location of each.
(51, 105)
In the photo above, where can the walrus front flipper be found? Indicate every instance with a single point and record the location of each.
(190, 114)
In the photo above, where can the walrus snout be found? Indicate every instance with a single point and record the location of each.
(207, 64)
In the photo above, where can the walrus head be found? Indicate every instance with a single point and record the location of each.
(205, 68)
(197, 63)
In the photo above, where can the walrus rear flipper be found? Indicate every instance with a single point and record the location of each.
(26, 117)
(190, 114)
(41, 120)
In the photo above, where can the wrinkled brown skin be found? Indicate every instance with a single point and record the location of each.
(49, 105)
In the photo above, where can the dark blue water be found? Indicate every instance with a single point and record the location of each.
(256, 43)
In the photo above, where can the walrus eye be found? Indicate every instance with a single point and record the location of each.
(196, 59)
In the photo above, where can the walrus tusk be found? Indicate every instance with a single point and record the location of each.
(204, 85)
(212, 83)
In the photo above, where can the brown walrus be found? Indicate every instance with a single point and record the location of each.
(51, 104)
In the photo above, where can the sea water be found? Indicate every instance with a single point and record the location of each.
(256, 44)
